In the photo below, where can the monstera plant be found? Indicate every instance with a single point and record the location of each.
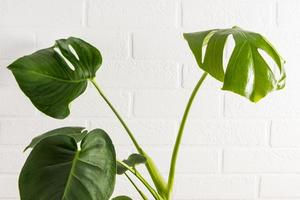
(72, 163)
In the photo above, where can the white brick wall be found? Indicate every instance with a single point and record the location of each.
(232, 149)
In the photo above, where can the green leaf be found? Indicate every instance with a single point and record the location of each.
(131, 161)
(56, 169)
(76, 132)
(52, 78)
(122, 198)
(247, 72)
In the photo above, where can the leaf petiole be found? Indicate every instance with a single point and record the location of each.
(180, 134)
(142, 179)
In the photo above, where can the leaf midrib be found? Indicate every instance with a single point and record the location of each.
(58, 79)
(70, 174)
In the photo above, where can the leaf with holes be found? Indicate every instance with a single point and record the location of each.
(52, 78)
(247, 72)
(57, 169)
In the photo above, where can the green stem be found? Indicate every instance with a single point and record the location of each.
(180, 134)
(118, 116)
(152, 169)
(136, 187)
(142, 179)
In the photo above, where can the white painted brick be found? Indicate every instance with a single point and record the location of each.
(38, 14)
(278, 37)
(21, 131)
(191, 160)
(147, 132)
(288, 12)
(112, 44)
(9, 186)
(226, 132)
(124, 187)
(15, 43)
(12, 159)
(171, 104)
(91, 104)
(14, 103)
(214, 187)
(285, 133)
(139, 75)
(191, 74)
(201, 14)
(162, 45)
(133, 14)
(280, 186)
(262, 161)
(6, 77)
(280, 104)
(148, 73)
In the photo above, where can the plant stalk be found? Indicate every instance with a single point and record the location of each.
(152, 169)
(136, 187)
(130, 134)
(180, 134)
(142, 179)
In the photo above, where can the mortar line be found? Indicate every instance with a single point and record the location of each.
(277, 14)
(178, 14)
(130, 46)
(84, 20)
(269, 133)
(181, 75)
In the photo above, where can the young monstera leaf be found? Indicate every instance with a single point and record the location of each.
(133, 160)
(247, 72)
(57, 169)
(55, 76)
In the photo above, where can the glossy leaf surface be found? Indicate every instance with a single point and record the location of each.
(122, 198)
(56, 169)
(247, 72)
(76, 132)
(52, 78)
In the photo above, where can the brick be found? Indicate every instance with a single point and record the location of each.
(15, 43)
(124, 187)
(285, 47)
(6, 77)
(133, 14)
(201, 15)
(191, 160)
(146, 132)
(12, 159)
(261, 161)
(273, 106)
(225, 132)
(191, 74)
(171, 104)
(9, 186)
(21, 131)
(214, 187)
(37, 14)
(91, 104)
(161, 45)
(111, 44)
(139, 75)
(285, 133)
(18, 105)
(288, 12)
(280, 186)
